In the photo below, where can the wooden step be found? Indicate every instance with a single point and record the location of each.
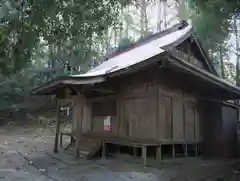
(87, 148)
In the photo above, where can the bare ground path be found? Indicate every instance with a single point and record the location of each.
(26, 155)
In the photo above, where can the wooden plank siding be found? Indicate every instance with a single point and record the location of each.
(166, 118)
(138, 117)
(178, 119)
(74, 115)
(190, 121)
(85, 123)
(100, 110)
(137, 110)
(149, 110)
(175, 103)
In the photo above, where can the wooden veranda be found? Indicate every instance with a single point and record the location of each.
(101, 140)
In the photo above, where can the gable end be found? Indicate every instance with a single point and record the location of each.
(191, 50)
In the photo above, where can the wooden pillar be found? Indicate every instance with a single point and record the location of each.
(103, 149)
(186, 150)
(144, 155)
(55, 150)
(135, 151)
(90, 117)
(184, 115)
(196, 149)
(117, 149)
(185, 122)
(159, 153)
(61, 140)
(173, 151)
(80, 103)
(78, 127)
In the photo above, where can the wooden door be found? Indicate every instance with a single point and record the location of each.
(166, 118)
(99, 112)
(178, 119)
(138, 117)
(130, 117)
(190, 121)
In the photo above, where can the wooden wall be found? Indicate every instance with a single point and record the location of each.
(151, 110)
(81, 117)
(178, 116)
(100, 110)
(220, 130)
(137, 110)
(229, 131)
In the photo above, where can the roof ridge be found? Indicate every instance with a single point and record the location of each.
(147, 39)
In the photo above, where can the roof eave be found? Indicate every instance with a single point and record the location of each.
(67, 80)
(203, 52)
(204, 74)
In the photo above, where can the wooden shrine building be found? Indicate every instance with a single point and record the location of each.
(162, 93)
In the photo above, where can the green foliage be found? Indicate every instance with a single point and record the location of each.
(226, 7)
(24, 23)
(40, 40)
(212, 21)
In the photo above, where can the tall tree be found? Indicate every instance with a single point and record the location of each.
(143, 17)
(235, 29)
(182, 10)
(24, 23)
(214, 21)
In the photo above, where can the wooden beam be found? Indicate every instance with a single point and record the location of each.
(186, 150)
(135, 149)
(103, 90)
(118, 115)
(90, 116)
(159, 153)
(144, 155)
(103, 98)
(157, 113)
(81, 101)
(103, 149)
(188, 51)
(61, 139)
(196, 150)
(204, 75)
(78, 129)
(173, 151)
(55, 150)
(184, 115)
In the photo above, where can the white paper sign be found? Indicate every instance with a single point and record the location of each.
(107, 123)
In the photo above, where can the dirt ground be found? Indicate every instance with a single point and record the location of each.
(26, 155)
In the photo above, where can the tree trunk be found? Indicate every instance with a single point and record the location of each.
(237, 50)
(121, 28)
(115, 37)
(127, 23)
(106, 39)
(221, 61)
(143, 18)
(158, 15)
(182, 10)
(52, 56)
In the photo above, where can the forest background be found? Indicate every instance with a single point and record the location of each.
(40, 40)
